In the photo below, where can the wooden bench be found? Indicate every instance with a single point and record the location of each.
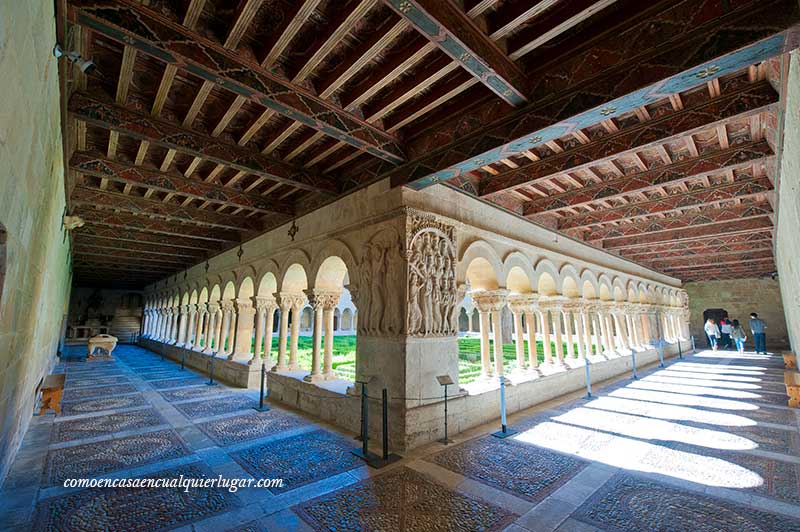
(52, 389)
(792, 381)
(789, 360)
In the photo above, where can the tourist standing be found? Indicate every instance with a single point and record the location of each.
(712, 332)
(738, 335)
(758, 328)
(725, 329)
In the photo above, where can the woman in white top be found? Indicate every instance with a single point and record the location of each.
(712, 331)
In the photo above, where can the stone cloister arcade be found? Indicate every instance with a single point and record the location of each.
(575, 316)
(237, 322)
(409, 273)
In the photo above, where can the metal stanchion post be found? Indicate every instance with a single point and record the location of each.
(694, 348)
(587, 373)
(445, 381)
(261, 406)
(183, 359)
(633, 361)
(680, 349)
(660, 352)
(211, 371)
(504, 431)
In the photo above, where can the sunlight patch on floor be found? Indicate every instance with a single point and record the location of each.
(644, 428)
(681, 399)
(671, 412)
(634, 455)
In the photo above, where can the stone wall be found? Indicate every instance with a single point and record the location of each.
(739, 297)
(36, 282)
(787, 243)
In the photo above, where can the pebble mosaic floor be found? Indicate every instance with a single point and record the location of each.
(705, 444)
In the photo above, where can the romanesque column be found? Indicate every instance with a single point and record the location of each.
(482, 300)
(605, 331)
(286, 304)
(622, 333)
(157, 325)
(579, 333)
(329, 302)
(198, 331)
(244, 330)
(210, 326)
(265, 307)
(566, 315)
(497, 326)
(555, 310)
(586, 324)
(524, 304)
(298, 303)
(548, 349)
(316, 338)
(176, 316)
(218, 340)
(533, 351)
(165, 337)
(223, 327)
(180, 338)
(189, 338)
(231, 330)
(517, 308)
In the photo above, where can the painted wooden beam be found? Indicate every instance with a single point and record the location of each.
(172, 182)
(170, 136)
(689, 221)
(130, 22)
(89, 197)
(575, 94)
(454, 33)
(745, 101)
(673, 263)
(740, 189)
(704, 245)
(125, 256)
(717, 161)
(135, 236)
(683, 234)
(143, 248)
(149, 225)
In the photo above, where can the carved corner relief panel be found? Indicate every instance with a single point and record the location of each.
(432, 292)
(381, 275)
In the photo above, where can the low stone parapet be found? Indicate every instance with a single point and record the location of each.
(232, 372)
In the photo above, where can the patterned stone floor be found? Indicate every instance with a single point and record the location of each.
(705, 444)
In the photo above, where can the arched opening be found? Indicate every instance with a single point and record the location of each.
(463, 321)
(347, 320)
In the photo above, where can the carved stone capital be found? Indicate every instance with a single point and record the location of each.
(244, 305)
(292, 300)
(266, 303)
(489, 300)
(555, 303)
(523, 303)
(202, 308)
(213, 308)
(227, 305)
(326, 299)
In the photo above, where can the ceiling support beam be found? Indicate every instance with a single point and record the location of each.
(167, 135)
(136, 236)
(749, 100)
(672, 263)
(669, 204)
(105, 199)
(149, 32)
(718, 229)
(569, 97)
(174, 183)
(454, 33)
(688, 221)
(156, 250)
(739, 157)
(149, 225)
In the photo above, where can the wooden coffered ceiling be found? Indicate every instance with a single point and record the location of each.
(647, 129)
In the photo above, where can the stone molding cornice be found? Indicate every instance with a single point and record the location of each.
(523, 303)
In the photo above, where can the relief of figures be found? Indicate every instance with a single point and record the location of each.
(380, 273)
(432, 288)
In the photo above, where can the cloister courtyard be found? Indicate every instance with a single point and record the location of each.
(399, 265)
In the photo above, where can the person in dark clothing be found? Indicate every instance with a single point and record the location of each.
(758, 328)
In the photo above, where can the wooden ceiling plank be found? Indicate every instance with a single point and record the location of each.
(176, 183)
(194, 143)
(454, 33)
(214, 62)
